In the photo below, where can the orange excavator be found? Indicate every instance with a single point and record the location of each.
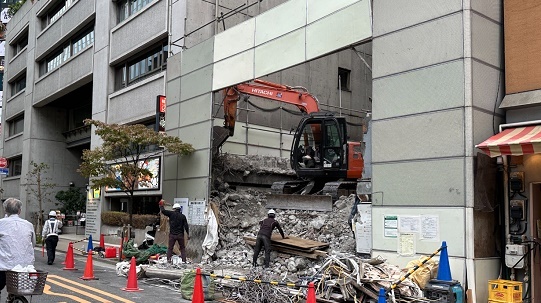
(325, 162)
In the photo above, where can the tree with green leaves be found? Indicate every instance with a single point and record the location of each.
(120, 163)
(72, 200)
(39, 187)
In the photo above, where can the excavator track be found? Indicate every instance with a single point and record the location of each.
(339, 188)
(306, 195)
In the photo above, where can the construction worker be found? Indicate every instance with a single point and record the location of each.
(264, 236)
(50, 232)
(17, 239)
(177, 225)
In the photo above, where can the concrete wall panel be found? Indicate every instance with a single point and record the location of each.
(280, 20)
(489, 8)
(486, 40)
(196, 188)
(290, 48)
(172, 91)
(196, 83)
(193, 166)
(428, 89)
(235, 40)
(196, 57)
(198, 135)
(485, 125)
(170, 163)
(319, 9)
(233, 70)
(77, 67)
(338, 30)
(149, 24)
(14, 106)
(425, 136)
(136, 102)
(450, 229)
(394, 15)
(487, 87)
(438, 41)
(172, 116)
(16, 65)
(419, 183)
(189, 116)
(13, 146)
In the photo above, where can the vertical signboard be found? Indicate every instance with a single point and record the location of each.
(160, 113)
(93, 211)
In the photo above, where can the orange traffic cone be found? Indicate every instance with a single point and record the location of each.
(132, 277)
(102, 241)
(89, 269)
(70, 262)
(198, 296)
(311, 298)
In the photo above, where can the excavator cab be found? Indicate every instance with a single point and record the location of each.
(319, 147)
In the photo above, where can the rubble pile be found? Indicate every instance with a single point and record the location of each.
(241, 211)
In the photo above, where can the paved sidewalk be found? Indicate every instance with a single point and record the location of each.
(80, 244)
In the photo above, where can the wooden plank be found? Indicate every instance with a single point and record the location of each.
(276, 246)
(298, 242)
(287, 250)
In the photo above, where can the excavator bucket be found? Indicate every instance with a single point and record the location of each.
(219, 135)
(300, 202)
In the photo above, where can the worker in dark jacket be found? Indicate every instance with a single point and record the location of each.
(264, 237)
(177, 225)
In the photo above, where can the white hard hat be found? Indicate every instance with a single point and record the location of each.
(52, 213)
(271, 212)
(176, 205)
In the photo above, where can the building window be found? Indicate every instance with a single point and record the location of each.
(126, 8)
(15, 166)
(18, 85)
(57, 11)
(142, 67)
(70, 49)
(18, 45)
(16, 125)
(343, 79)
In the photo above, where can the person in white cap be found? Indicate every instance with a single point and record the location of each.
(17, 239)
(264, 237)
(50, 232)
(177, 225)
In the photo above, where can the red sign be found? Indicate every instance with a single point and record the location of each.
(161, 105)
(3, 162)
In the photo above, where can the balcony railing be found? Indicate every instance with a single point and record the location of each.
(78, 136)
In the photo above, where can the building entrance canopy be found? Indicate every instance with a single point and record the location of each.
(513, 142)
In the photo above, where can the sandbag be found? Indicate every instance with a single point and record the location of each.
(424, 273)
(187, 284)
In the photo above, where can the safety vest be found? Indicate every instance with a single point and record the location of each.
(53, 227)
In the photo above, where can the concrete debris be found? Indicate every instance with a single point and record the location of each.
(241, 211)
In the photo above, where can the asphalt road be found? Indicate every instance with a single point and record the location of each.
(67, 286)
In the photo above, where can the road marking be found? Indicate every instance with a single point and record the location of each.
(79, 285)
(47, 290)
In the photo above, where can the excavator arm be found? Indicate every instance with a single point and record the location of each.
(298, 96)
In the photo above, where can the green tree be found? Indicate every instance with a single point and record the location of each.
(39, 187)
(72, 200)
(119, 162)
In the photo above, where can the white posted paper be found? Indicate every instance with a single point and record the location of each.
(390, 225)
(409, 224)
(406, 244)
(430, 227)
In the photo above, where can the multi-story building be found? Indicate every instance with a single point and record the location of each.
(68, 60)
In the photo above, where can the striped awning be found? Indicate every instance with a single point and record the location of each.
(513, 142)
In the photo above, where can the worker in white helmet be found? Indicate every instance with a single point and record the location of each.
(177, 225)
(50, 232)
(264, 237)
